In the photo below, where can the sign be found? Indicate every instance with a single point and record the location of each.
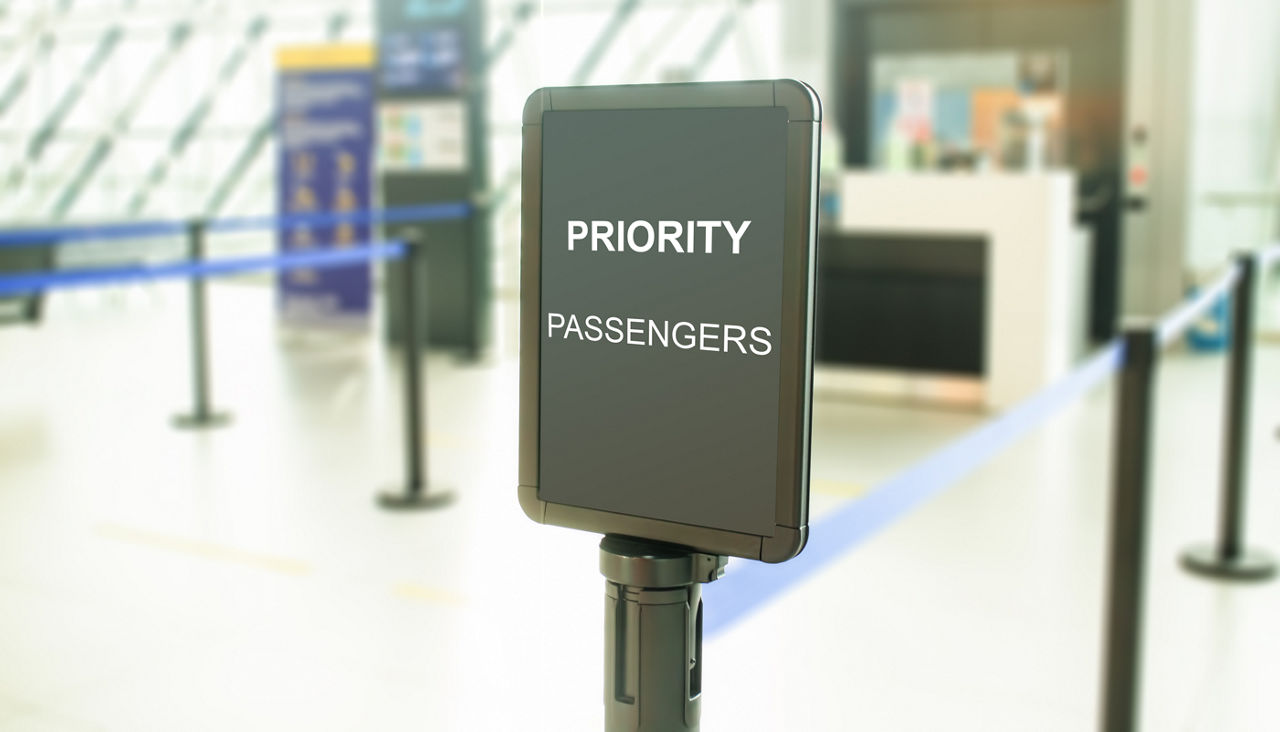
(428, 136)
(427, 61)
(325, 98)
(666, 340)
(422, 46)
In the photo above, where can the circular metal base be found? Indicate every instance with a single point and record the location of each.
(402, 500)
(196, 421)
(1253, 565)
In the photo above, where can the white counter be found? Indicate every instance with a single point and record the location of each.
(1035, 273)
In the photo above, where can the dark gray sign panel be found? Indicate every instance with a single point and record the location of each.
(666, 307)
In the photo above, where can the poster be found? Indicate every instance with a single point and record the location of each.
(428, 136)
(325, 99)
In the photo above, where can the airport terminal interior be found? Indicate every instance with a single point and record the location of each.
(273, 282)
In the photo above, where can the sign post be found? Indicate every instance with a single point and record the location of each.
(668, 257)
(653, 633)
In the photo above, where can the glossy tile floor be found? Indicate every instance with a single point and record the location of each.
(243, 579)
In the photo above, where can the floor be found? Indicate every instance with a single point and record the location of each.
(243, 578)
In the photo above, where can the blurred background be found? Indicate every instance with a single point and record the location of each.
(1002, 182)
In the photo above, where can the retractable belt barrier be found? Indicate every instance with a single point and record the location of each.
(751, 584)
(50, 235)
(1174, 324)
(29, 282)
(196, 269)
(1135, 355)
(55, 235)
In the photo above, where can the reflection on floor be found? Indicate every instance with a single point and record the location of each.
(242, 578)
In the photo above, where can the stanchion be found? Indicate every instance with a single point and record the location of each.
(1229, 558)
(653, 634)
(413, 495)
(1121, 693)
(202, 415)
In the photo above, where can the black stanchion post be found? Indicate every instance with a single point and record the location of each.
(1229, 558)
(202, 414)
(1121, 693)
(414, 493)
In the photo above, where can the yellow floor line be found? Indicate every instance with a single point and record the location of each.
(836, 488)
(204, 550)
(433, 595)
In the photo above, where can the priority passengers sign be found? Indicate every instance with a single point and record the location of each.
(668, 252)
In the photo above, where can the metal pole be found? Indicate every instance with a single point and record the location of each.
(1235, 447)
(414, 493)
(199, 327)
(412, 375)
(1229, 558)
(653, 634)
(1121, 694)
(202, 415)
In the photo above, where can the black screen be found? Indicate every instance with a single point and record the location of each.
(660, 343)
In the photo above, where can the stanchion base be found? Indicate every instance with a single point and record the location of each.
(196, 421)
(1253, 565)
(403, 500)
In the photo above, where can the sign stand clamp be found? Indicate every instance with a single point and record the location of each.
(653, 633)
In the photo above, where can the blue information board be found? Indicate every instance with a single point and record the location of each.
(326, 131)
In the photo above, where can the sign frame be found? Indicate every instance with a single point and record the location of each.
(796, 339)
